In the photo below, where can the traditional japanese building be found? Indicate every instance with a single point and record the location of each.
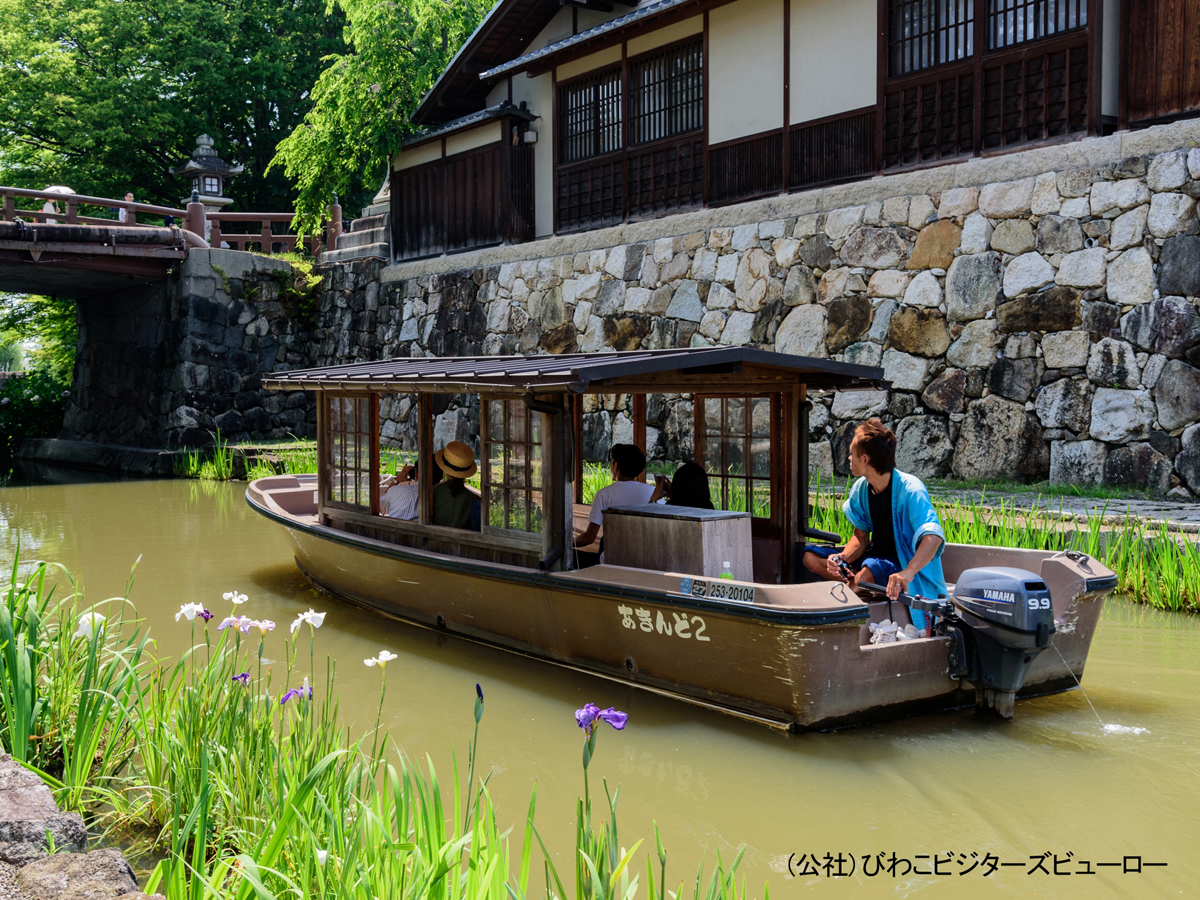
(559, 117)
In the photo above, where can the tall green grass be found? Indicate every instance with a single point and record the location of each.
(244, 784)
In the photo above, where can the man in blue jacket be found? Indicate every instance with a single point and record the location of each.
(897, 538)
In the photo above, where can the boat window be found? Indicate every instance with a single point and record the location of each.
(512, 466)
(733, 444)
(351, 474)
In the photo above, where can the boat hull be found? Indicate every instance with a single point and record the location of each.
(795, 668)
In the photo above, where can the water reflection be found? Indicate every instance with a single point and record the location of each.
(1051, 780)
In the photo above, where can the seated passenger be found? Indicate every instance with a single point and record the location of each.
(454, 504)
(400, 501)
(689, 487)
(897, 539)
(628, 462)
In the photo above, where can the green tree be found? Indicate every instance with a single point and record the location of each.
(50, 324)
(363, 99)
(106, 95)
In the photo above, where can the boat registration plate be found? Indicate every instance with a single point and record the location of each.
(716, 590)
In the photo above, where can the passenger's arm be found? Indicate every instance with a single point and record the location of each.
(585, 538)
(927, 549)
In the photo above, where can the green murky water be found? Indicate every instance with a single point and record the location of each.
(1051, 782)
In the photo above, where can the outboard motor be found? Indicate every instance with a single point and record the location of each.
(1003, 619)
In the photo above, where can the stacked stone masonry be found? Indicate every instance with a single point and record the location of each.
(1039, 328)
(1044, 326)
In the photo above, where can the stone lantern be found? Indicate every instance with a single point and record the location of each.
(208, 174)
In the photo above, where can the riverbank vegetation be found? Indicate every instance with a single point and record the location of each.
(238, 774)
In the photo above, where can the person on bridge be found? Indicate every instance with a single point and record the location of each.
(121, 213)
(897, 538)
(50, 207)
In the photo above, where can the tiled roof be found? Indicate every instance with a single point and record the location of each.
(568, 371)
(483, 115)
(642, 12)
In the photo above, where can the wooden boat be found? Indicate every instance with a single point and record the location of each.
(764, 646)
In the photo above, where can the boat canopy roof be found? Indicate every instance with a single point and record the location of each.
(724, 369)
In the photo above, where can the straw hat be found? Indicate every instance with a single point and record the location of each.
(457, 460)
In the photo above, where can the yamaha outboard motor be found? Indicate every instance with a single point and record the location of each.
(1004, 620)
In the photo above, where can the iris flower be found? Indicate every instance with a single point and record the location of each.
(189, 611)
(381, 660)
(89, 624)
(205, 614)
(241, 623)
(263, 625)
(300, 692)
(235, 598)
(315, 619)
(591, 714)
(244, 678)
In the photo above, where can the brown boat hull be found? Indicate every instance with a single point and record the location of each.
(801, 668)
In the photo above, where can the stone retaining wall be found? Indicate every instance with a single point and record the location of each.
(1034, 328)
(1036, 313)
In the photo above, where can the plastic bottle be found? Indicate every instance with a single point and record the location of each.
(726, 572)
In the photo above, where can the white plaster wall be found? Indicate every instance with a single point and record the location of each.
(538, 95)
(668, 35)
(833, 57)
(600, 59)
(487, 133)
(1110, 58)
(417, 156)
(745, 43)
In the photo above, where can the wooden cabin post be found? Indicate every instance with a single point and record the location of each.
(795, 523)
(577, 427)
(373, 444)
(425, 458)
(323, 456)
(639, 426)
(557, 511)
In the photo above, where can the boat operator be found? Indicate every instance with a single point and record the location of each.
(897, 538)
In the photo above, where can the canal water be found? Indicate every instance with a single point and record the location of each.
(1053, 783)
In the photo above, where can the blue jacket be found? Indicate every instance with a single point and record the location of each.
(913, 517)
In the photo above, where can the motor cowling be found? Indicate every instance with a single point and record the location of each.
(1007, 619)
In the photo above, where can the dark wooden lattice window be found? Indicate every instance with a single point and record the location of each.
(926, 33)
(590, 112)
(666, 93)
(512, 467)
(1012, 22)
(353, 465)
(734, 447)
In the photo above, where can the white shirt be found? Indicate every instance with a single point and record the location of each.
(619, 493)
(400, 501)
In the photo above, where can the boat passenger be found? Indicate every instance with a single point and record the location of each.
(628, 462)
(689, 487)
(400, 501)
(454, 504)
(897, 538)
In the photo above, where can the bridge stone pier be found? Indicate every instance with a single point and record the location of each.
(165, 365)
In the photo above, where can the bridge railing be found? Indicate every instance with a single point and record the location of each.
(71, 204)
(265, 239)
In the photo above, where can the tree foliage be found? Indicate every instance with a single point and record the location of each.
(364, 98)
(47, 322)
(107, 95)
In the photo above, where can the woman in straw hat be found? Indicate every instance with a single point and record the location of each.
(454, 505)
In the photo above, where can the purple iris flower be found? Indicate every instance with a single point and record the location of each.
(244, 678)
(614, 717)
(478, 691)
(586, 717)
(300, 692)
(206, 615)
(294, 692)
